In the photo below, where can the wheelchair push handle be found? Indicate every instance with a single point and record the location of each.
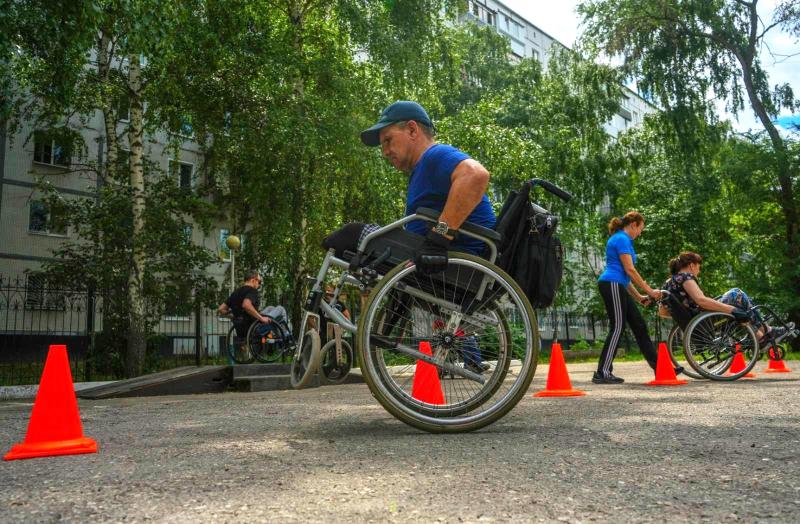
(551, 188)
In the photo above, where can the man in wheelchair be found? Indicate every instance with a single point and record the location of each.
(242, 305)
(685, 290)
(441, 178)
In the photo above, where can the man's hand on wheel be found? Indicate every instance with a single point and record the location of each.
(431, 256)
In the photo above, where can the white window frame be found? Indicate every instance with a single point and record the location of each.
(53, 146)
(192, 181)
(46, 231)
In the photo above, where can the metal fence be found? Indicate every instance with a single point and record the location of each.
(33, 316)
(576, 331)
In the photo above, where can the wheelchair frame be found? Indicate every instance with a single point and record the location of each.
(719, 373)
(350, 275)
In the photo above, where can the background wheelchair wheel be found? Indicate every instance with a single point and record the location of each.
(499, 329)
(306, 360)
(677, 354)
(334, 370)
(711, 341)
(238, 349)
(267, 341)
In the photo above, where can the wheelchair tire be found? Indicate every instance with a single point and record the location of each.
(332, 371)
(500, 327)
(238, 349)
(711, 341)
(676, 353)
(270, 345)
(305, 362)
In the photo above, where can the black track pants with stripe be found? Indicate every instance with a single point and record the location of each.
(622, 309)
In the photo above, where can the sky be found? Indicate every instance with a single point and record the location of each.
(559, 19)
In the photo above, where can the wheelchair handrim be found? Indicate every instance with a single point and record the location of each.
(521, 380)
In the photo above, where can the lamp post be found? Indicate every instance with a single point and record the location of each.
(233, 244)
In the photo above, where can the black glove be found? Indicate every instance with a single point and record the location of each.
(741, 315)
(431, 256)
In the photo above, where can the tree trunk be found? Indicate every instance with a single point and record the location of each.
(786, 200)
(137, 332)
(299, 216)
(104, 59)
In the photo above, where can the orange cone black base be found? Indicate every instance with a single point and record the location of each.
(665, 373)
(558, 383)
(55, 425)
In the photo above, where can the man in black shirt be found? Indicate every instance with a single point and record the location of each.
(243, 305)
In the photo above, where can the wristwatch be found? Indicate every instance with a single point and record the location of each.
(443, 229)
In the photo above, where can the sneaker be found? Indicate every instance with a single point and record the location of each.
(608, 379)
(476, 368)
(773, 335)
(678, 370)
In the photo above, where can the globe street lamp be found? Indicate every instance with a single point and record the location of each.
(233, 244)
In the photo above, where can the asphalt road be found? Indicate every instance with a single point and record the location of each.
(701, 452)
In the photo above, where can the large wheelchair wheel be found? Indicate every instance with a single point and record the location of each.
(483, 336)
(676, 353)
(305, 362)
(712, 341)
(238, 349)
(267, 341)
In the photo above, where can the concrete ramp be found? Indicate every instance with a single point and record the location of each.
(179, 381)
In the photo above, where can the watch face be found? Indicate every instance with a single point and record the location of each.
(441, 228)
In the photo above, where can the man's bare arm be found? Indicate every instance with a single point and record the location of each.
(469, 182)
(247, 305)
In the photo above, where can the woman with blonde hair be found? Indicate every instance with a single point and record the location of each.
(618, 286)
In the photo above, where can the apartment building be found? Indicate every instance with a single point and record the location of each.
(529, 41)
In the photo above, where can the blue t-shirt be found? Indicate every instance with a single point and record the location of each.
(429, 186)
(619, 244)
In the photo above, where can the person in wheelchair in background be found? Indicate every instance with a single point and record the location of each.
(242, 305)
(441, 177)
(683, 285)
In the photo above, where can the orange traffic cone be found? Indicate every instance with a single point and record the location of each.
(739, 364)
(427, 387)
(558, 383)
(55, 425)
(776, 365)
(665, 373)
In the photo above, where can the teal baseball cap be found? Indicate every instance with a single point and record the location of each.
(401, 111)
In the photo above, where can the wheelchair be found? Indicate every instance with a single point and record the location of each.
(472, 322)
(267, 343)
(710, 340)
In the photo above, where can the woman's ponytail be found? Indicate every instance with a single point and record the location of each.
(631, 217)
(614, 225)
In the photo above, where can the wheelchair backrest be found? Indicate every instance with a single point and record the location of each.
(678, 311)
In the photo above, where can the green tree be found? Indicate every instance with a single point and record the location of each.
(70, 61)
(686, 52)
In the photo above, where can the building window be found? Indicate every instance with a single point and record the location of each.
(517, 48)
(183, 173)
(42, 294)
(535, 54)
(48, 150)
(482, 13)
(124, 108)
(46, 221)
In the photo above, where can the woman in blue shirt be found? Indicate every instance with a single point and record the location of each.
(620, 276)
